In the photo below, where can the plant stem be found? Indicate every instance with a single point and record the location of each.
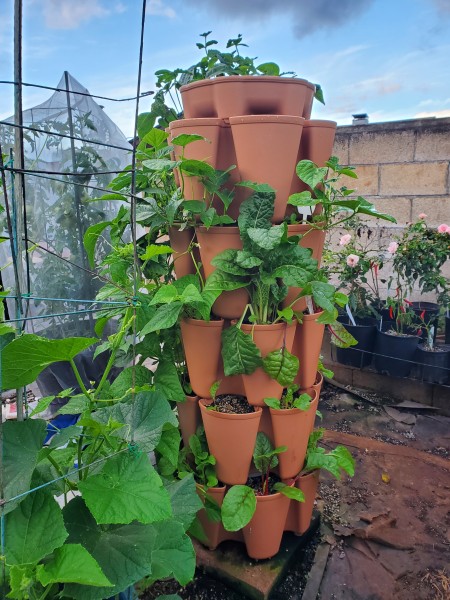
(79, 380)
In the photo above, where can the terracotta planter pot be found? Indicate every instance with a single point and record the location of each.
(266, 150)
(202, 345)
(300, 513)
(313, 239)
(189, 417)
(213, 241)
(259, 385)
(206, 150)
(247, 95)
(214, 531)
(263, 534)
(291, 428)
(231, 440)
(180, 242)
(307, 345)
(316, 145)
(312, 391)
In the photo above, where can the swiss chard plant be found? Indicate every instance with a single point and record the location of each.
(239, 504)
(337, 201)
(290, 399)
(335, 461)
(116, 520)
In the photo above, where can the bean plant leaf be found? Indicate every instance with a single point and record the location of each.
(90, 239)
(34, 529)
(167, 381)
(269, 68)
(155, 250)
(42, 405)
(135, 376)
(309, 173)
(238, 507)
(22, 442)
(165, 317)
(302, 199)
(282, 366)
(72, 564)
(184, 139)
(126, 489)
(26, 356)
(76, 405)
(240, 354)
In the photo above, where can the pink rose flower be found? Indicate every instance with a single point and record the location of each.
(443, 228)
(352, 260)
(392, 248)
(422, 216)
(345, 239)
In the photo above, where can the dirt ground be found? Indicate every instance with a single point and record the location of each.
(385, 533)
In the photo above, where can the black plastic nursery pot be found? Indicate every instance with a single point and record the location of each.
(364, 332)
(431, 315)
(447, 330)
(433, 365)
(394, 354)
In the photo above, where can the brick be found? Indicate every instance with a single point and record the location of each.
(367, 182)
(437, 209)
(433, 145)
(417, 179)
(381, 147)
(340, 148)
(397, 207)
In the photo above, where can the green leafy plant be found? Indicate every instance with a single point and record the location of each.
(290, 399)
(335, 461)
(336, 201)
(239, 504)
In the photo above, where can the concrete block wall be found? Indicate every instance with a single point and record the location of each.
(403, 168)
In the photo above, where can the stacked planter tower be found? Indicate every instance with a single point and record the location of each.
(262, 125)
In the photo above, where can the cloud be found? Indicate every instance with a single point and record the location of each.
(158, 8)
(308, 16)
(443, 6)
(70, 14)
(436, 113)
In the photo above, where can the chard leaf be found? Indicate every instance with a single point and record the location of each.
(240, 354)
(282, 366)
(273, 403)
(323, 294)
(246, 259)
(256, 211)
(344, 459)
(303, 402)
(238, 507)
(340, 337)
(290, 492)
(219, 281)
(226, 261)
(268, 239)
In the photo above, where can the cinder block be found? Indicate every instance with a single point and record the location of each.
(367, 182)
(397, 387)
(433, 145)
(414, 179)
(372, 148)
(437, 209)
(340, 148)
(397, 207)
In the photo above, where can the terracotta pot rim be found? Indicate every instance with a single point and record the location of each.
(248, 79)
(277, 495)
(319, 377)
(267, 327)
(312, 317)
(215, 489)
(192, 122)
(201, 323)
(189, 399)
(204, 402)
(293, 411)
(250, 119)
(218, 229)
(320, 123)
(310, 474)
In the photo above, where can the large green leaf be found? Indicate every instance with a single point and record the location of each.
(168, 450)
(282, 366)
(220, 281)
(239, 352)
(126, 489)
(26, 356)
(310, 173)
(72, 563)
(135, 376)
(144, 416)
(167, 381)
(226, 261)
(268, 239)
(172, 553)
(34, 529)
(302, 199)
(90, 239)
(256, 211)
(238, 507)
(165, 317)
(340, 337)
(22, 441)
(185, 138)
(323, 294)
(184, 499)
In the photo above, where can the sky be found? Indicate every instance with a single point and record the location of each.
(387, 58)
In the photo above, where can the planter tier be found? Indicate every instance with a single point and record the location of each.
(213, 241)
(268, 338)
(189, 418)
(180, 242)
(202, 345)
(231, 440)
(238, 95)
(300, 513)
(307, 346)
(266, 151)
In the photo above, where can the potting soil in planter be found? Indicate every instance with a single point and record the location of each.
(232, 404)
